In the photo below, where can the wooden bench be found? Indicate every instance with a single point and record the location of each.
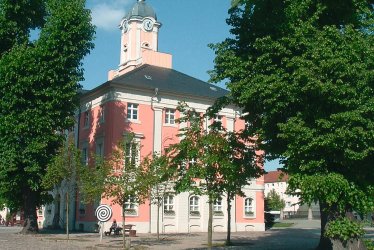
(128, 228)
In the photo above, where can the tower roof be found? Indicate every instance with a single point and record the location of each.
(141, 10)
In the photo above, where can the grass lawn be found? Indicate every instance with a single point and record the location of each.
(282, 224)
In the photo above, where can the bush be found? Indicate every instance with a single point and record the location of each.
(344, 230)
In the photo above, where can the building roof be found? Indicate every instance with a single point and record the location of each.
(141, 10)
(275, 176)
(168, 81)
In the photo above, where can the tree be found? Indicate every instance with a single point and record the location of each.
(117, 178)
(303, 73)
(39, 92)
(275, 202)
(62, 174)
(157, 178)
(219, 160)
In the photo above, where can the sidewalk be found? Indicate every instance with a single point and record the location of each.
(302, 235)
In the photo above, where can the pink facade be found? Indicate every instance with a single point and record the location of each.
(141, 97)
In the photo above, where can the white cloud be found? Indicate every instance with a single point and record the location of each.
(107, 14)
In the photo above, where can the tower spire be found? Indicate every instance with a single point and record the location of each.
(139, 40)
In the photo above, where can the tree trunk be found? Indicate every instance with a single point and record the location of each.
(30, 225)
(228, 236)
(324, 242)
(281, 215)
(123, 228)
(158, 213)
(210, 223)
(67, 215)
(158, 218)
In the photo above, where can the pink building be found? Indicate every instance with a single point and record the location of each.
(141, 96)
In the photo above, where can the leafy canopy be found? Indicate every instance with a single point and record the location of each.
(274, 201)
(39, 88)
(303, 73)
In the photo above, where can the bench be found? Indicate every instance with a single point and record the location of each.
(127, 228)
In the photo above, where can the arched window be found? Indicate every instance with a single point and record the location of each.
(248, 207)
(194, 206)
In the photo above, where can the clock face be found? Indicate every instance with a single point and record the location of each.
(148, 24)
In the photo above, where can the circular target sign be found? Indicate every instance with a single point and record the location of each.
(103, 213)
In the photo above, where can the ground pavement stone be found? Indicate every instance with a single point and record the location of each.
(302, 235)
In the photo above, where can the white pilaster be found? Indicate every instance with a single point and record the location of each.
(230, 120)
(138, 42)
(157, 128)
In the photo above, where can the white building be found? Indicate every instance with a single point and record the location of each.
(277, 180)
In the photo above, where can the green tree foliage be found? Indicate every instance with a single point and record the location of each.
(220, 161)
(39, 91)
(274, 201)
(62, 174)
(303, 73)
(117, 178)
(157, 177)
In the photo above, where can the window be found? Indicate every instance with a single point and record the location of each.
(217, 207)
(86, 119)
(102, 114)
(85, 156)
(248, 207)
(132, 111)
(170, 116)
(169, 205)
(288, 204)
(132, 153)
(100, 149)
(218, 118)
(194, 205)
(82, 207)
(130, 206)
(99, 141)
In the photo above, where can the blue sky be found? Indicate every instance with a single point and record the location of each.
(188, 26)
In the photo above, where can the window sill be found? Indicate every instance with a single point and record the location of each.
(218, 214)
(170, 125)
(131, 215)
(133, 121)
(249, 216)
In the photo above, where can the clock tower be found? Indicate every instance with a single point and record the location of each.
(139, 40)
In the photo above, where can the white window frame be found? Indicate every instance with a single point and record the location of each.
(218, 206)
(85, 155)
(194, 205)
(218, 118)
(101, 114)
(168, 204)
(249, 207)
(170, 116)
(130, 206)
(131, 114)
(130, 155)
(86, 119)
(100, 146)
